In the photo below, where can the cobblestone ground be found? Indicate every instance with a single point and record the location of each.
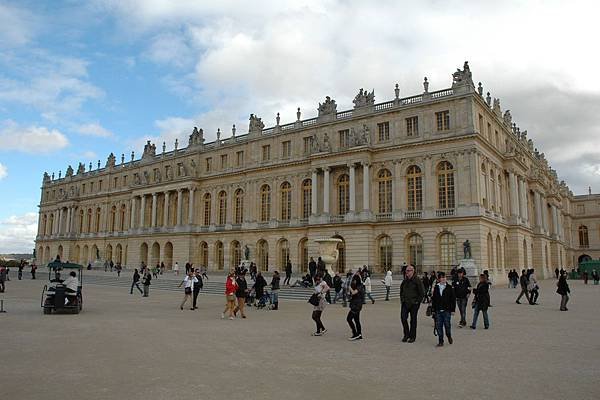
(124, 346)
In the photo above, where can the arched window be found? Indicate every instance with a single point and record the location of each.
(414, 187)
(303, 251)
(284, 253)
(204, 254)
(236, 253)
(384, 246)
(286, 201)
(447, 249)
(384, 181)
(262, 255)
(445, 173)
(207, 207)
(306, 198)
(583, 236)
(239, 206)
(219, 255)
(343, 194)
(222, 207)
(265, 203)
(415, 251)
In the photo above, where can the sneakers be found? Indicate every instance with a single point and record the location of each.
(231, 318)
(404, 339)
(317, 334)
(518, 302)
(439, 345)
(323, 331)
(223, 316)
(353, 338)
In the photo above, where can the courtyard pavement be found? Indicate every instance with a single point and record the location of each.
(124, 346)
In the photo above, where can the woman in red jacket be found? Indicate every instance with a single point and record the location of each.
(230, 289)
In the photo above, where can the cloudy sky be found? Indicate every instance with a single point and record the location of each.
(79, 80)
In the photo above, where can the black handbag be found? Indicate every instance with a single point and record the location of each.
(314, 299)
(428, 311)
(188, 290)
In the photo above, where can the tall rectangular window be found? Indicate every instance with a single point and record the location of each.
(209, 164)
(100, 185)
(307, 143)
(116, 182)
(443, 120)
(344, 138)
(286, 149)
(224, 161)
(239, 158)
(266, 152)
(383, 130)
(412, 126)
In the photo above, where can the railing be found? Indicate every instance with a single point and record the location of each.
(344, 114)
(236, 226)
(411, 100)
(383, 216)
(204, 228)
(219, 227)
(334, 219)
(263, 225)
(303, 221)
(287, 127)
(284, 223)
(584, 246)
(413, 214)
(445, 212)
(384, 106)
(309, 122)
(268, 131)
(442, 93)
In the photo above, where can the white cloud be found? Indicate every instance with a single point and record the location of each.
(31, 139)
(3, 171)
(18, 26)
(17, 233)
(94, 129)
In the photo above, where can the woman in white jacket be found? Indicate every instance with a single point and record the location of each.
(367, 283)
(388, 285)
(533, 288)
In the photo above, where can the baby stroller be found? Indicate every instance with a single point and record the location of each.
(262, 302)
(250, 298)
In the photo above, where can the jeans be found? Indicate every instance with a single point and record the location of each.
(486, 321)
(462, 308)
(387, 293)
(442, 322)
(353, 320)
(523, 292)
(146, 290)
(286, 281)
(564, 299)
(534, 294)
(405, 311)
(338, 295)
(316, 316)
(137, 285)
(275, 297)
(368, 294)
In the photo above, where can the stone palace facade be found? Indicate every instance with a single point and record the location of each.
(406, 180)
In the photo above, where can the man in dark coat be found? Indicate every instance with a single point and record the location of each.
(462, 289)
(411, 295)
(196, 289)
(524, 283)
(443, 304)
(312, 268)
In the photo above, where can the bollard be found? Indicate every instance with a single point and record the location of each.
(2, 310)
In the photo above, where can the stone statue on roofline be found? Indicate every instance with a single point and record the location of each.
(496, 107)
(80, 169)
(327, 107)
(69, 172)
(110, 162)
(462, 77)
(255, 125)
(507, 118)
(149, 150)
(46, 177)
(364, 99)
(197, 137)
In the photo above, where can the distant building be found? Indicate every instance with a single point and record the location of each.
(408, 179)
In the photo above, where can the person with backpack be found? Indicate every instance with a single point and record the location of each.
(146, 283)
(337, 285)
(368, 287)
(136, 282)
(462, 290)
(356, 294)
(481, 302)
(532, 287)
(240, 293)
(563, 290)
(319, 304)
(346, 288)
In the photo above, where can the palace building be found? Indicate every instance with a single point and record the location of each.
(406, 180)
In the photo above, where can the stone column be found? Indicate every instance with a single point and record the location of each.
(544, 213)
(366, 188)
(352, 188)
(132, 214)
(514, 203)
(154, 209)
(314, 193)
(525, 214)
(142, 211)
(395, 181)
(521, 190)
(191, 206)
(538, 209)
(326, 190)
(166, 210)
(180, 204)
(68, 228)
(554, 220)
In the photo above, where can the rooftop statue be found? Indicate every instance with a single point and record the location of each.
(496, 107)
(46, 177)
(256, 125)
(80, 169)
(149, 150)
(364, 98)
(327, 107)
(197, 137)
(507, 118)
(110, 162)
(464, 76)
(69, 172)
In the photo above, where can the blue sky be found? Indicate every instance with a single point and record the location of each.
(79, 80)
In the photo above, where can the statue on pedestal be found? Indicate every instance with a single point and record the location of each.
(467, 249)
(246, 253)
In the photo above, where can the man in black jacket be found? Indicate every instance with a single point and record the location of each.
(524, 281)
(411, 295)
(443, 304)
(196, 289)
(462, 289)
(312, 268)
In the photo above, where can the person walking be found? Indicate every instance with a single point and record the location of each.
(563, 290)
(462, 290)
(288, 272)
(321, 288)
(146, 283)
(368, 287)
(155, 271)
(388, 281)
(356, 294)
(240, 293)
(426, 288)
(337, 286)
(411, 295)
(275, 290)
(259, 285)
(524, 283)
(443, 305)
(188, 288)
(119, 268)
(586, 277)
(33, 269)
(346, 288)
(321, 266)
(176, 269)
(481, 302)
(533, 288)
(312, 268)
(196, 289)
(556, 272)
(230, 289)
(135, 282)
(595, 277)
(3, 275)
(329, 281)
(20, 271)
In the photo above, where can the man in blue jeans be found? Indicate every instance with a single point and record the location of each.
(462, 289)
(443, 304)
